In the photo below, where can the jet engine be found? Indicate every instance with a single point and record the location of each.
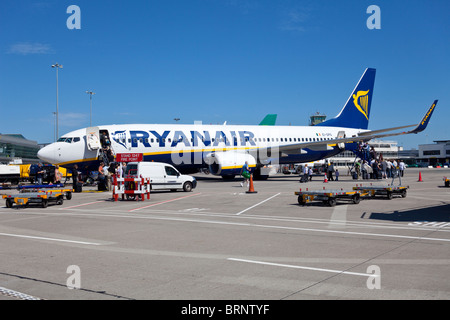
(228, 163)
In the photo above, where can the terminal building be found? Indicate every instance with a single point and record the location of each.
(434, 154)
(15, 146)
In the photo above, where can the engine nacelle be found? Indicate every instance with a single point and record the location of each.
(229, 163)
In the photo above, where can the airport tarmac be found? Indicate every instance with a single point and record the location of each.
(220, 243)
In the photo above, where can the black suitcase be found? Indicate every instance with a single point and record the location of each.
(78, 187)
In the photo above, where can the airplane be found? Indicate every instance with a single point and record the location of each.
(224, 149)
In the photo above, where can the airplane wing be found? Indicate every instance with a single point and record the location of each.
(363, 136)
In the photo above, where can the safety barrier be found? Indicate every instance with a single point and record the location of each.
(133, 188)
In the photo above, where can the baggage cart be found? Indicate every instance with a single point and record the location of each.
(328, 197)
(387, 191)
(42, 197)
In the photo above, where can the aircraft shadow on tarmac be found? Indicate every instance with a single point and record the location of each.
(439, 213)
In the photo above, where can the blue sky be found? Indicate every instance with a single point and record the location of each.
(220, 60)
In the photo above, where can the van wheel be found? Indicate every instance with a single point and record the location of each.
(187, 186)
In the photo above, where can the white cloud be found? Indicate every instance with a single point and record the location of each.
(294, 19)
(26, 48)
(72, 119)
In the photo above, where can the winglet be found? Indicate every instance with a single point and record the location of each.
(423, 124)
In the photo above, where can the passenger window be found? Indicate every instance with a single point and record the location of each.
(171, 171)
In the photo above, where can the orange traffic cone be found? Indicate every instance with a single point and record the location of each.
(420, 177)
(325, 180)
(251, 189)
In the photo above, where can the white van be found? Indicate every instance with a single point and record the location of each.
(162, 176)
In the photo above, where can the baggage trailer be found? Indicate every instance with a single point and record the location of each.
(387, 191)
(328, 197)
(42, 197)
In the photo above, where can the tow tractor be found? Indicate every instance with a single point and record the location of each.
(39, 196)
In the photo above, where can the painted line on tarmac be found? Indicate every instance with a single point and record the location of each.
(107, 214)
(162, 202)
(257, 204)
(304, 268)
(338, 217)
(48, 239)
(81, 205)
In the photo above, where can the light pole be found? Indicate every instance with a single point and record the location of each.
(57, 66)
(54, 127)
(90, 93)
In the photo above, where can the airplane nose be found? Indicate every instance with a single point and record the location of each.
(47, 154)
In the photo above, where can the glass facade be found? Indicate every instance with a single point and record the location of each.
(16, 146)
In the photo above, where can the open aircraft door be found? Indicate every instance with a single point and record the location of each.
(93, 138)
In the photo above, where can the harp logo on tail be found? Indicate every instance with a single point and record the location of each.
(361, 101)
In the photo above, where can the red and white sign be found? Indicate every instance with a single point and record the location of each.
(129, 157)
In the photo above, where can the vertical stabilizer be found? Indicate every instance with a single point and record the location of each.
(356, 112)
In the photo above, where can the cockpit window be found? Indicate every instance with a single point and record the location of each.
(69, 140)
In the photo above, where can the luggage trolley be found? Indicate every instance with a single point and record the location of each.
(328, 197)
(387, 191)
(42, 197)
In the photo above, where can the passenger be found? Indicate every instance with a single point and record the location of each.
(75, 179)
(401, 167)
(396, 173)
(330, 171)
(337, 175)
(384, 169)
(40, 174)
(101, 178)
(58, 175)
(389, 168)
(305, 173)
(310, 173)
(245, 174)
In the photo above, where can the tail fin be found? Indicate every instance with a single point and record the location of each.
(356, 112)
(269, 120)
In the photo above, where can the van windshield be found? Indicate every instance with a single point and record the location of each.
(131, 170)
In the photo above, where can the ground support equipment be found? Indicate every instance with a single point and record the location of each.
(327, 196)
(39, 196)
(386, 191)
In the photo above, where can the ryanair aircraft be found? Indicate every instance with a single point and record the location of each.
(224, 149)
